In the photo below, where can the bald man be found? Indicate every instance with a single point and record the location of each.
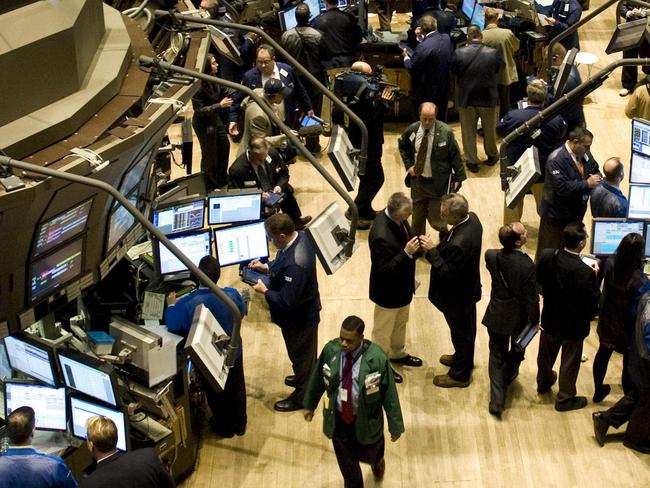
(607, 199)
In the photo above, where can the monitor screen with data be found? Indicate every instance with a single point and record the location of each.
(478, 17)
(640, 169)
(241, 243)
(468, 8)
(194, 245)
(180, 217)
(607, 234)
(639, 200)
(288, 17)
(82, 410)
(31, 359)
(88, 375)
(48, 404)
(231, 208)
(51, 272)
(64, 226)
(641, 136)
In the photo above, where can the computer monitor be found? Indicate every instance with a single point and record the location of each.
(478, 16)
(48, 404)
(528, 171)
(5, 367)
(646, 236)
(234, 207)
(62, 227)
(329, 234)
(241, 243)
(607, 234)
(53, 271)
(640, 169)
(134, 175)
(26, 355)
(468, 8)
(120, 221)
(641, 136)
(564, 73)
(288, 17)
(340, 153)
(194, 245)
(639, 202)
(88, 375)
(180, 216)
(81, 410)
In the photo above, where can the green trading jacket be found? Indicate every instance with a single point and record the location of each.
(325, 377)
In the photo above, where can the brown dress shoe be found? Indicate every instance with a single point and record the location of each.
(446, 359)
(379, 468)
(446, 381)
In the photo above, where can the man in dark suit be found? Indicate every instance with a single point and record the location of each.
(266, 68)
(564, 14)
(571, 173)
(141, 468)
(392, 278)
(514, 303)
(455, 285)
(431, 157)
(341, 35)
(429, 67)
(262, 167)
(476, 67)
(550, 137)
(571, 296)
(294, 301)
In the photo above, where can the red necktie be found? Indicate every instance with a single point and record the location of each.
(347, 410)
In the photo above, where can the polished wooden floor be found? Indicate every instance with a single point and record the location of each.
(450, 439)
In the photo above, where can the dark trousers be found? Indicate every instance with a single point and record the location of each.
(215, 150)
(504, 99)
(462, 325)
(369, 186)
(229, 406)
(350, 452)
(503, 364)
(290, 206)
(634, 408)
(550, 235)
(601, 361)
(301, 342)
(549, 347)
(630, 73)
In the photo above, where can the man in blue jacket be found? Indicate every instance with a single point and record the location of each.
(229, 406)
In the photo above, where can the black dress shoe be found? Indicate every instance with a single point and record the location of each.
(491, 161)
(640, 448)
(546, 388)
(473, 167)
(379, 468)
(575, 403)
(495, 410)
(290, 381)
(600, 427)
(287, 405)
(601, 392)
(398, 377)
(408, 360)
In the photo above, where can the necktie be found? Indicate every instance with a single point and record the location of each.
(406, 232)
(581, 168)
(421, 156)
(347, 410)
(265, 181)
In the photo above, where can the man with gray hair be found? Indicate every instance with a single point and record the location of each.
(393, 249)
(455, 285)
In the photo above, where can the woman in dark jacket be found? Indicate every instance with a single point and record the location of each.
(624, 284)
(209, 128)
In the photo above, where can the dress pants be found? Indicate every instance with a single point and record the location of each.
(290, 206)
(369, 186)
(550, 235)
(389, 329)
(504, 99)
(503, 364)
(301, 342)
(468, 125)
(384, 10)
(601, 361)
(462, 324)
(426, 206)
(229, 406)
(350, 452)
(215, 151)
(549, 347)
(514, 214)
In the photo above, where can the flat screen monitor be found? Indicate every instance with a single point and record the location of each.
(340, 154)
(607, 234)
(641, 136)
(468, 8)
(134, 175)
(89, 376)
(564, 72)
(646, 235)
(48, 404)
(81, 410)
(180, 217)
(120, 222)
(5, 367)
(55, 270)
(528, 171)
(194, 245)
(478, 16)
(32, 359)
(62, 227)
(640, 169)
(627, 36)
(231, 208)
(241, 243)
(288, 17)
(639, 201)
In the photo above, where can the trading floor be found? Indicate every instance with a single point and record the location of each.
(451, 440)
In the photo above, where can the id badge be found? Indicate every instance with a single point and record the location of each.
(343, 394)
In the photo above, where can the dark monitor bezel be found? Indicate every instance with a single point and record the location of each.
(598, 220)
(183, 201)
(159, 245)
(93, 363)
(629, 199)
(34, 342)
(36, 253)
(93, 401)
(223, 229)
(34, 385)
(234, 194)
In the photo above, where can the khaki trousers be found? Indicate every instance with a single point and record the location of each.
(389, 330)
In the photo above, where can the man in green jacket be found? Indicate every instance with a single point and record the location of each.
(356, 376)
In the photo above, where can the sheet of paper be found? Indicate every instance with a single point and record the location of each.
(542, 19)
(153, 305)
